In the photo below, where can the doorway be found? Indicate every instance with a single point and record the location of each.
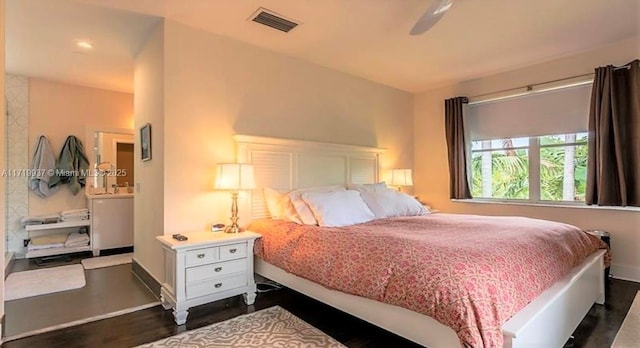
(124, 161)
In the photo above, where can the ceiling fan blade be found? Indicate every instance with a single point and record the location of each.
(433, 14)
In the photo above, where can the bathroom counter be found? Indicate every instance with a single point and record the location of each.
(111, 220)
(109, 195)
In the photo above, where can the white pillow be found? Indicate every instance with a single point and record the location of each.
(275, 202)
(391, 203)
(368, 187)
(299, 211)
(338, 208)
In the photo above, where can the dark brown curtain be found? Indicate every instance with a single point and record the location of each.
(613, 176)
(456, 145)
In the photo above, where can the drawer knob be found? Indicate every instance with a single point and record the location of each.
(233, 251)
(218, 269)
(200, 256)
(218, 285)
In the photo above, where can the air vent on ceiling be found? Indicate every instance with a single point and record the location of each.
(270, 19)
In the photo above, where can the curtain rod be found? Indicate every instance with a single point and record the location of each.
(530, 86)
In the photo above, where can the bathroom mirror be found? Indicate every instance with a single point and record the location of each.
(113, 159)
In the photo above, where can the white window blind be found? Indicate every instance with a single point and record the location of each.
(558, 111)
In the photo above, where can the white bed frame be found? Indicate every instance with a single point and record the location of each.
(548, 321)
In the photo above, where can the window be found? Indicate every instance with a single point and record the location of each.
(500, 168)
(544, 168)
(531, 147)
(563, 167)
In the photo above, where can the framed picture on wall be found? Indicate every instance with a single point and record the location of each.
(145, 142)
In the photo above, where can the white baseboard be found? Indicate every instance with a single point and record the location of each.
(625, 272)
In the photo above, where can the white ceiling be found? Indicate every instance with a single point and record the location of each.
(41, 42)
(366, 38)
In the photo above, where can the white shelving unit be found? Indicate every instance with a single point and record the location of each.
(43, 229)
(63, 224)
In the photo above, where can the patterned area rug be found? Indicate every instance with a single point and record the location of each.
(271, 327)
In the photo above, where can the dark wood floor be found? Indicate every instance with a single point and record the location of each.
(599, 327)
(107, 290)
(596, 331)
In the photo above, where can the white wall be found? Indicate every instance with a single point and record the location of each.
(58, 110)
(431, 167)
(215, 87)
(2, 160)
(40, 107)
(149, 176)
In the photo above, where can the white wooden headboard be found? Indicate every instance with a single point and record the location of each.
(286, 164)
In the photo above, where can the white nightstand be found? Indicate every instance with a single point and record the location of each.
(207, 267)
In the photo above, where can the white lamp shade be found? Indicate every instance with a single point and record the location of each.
(234, 176)
(401, 177)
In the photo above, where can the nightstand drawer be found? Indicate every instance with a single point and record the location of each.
(201, 256)
(233, 251)
(211, 286)
(217, 269)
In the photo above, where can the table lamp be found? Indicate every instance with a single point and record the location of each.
(401, 177)
(234, 177)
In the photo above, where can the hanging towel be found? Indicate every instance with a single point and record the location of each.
(43, 165)
(72, 166)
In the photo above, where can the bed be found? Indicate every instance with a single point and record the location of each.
(547, 320)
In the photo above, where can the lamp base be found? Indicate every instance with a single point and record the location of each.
(233, 229)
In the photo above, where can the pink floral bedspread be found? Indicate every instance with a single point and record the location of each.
(471, 273)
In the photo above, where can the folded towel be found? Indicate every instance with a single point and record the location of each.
(58, 238)
(39, 220)
(76, 239)
(45, 246)
(77, 245)
(74, 211)
(75, 214)
(75, 218)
